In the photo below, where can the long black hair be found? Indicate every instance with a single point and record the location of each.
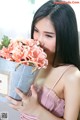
(63, 19)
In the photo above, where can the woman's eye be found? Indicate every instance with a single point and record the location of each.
(49, 36)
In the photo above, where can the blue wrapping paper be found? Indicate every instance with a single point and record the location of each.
(11, 78)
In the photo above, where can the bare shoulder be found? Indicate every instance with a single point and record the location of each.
(72, 76)
(71, 93)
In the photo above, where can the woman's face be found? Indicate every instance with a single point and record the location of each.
(44, 32)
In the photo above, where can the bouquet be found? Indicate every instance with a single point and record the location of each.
(20, 62)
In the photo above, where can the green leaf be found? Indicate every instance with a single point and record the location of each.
(5, 41)
(1, 46)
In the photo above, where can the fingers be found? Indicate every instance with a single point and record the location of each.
(14, 106)
(11, 100)
(21, 94)
(34, 94)
(14, 103)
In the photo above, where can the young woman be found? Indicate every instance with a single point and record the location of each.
(55, 95)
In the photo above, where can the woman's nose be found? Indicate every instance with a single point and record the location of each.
(41, 40)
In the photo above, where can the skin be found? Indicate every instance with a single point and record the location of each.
(46, 36)
(67, 88)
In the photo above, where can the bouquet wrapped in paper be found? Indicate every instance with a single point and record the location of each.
(20, 62)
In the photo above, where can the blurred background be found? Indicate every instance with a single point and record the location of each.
(16, 16)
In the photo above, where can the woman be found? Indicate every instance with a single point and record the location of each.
(55, 96)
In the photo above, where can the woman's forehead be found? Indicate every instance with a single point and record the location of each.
(45, 24)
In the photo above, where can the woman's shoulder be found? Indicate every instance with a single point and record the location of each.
(73, 71)
(72, 75)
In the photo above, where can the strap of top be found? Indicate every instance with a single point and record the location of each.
(62, 75)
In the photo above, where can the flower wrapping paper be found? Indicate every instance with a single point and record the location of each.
(20, 63)
(21, 78)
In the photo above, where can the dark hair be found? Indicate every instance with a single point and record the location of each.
(63, 19)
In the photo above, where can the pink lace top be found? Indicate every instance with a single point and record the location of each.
(50, 101)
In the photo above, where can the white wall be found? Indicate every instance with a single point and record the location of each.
(16, 16)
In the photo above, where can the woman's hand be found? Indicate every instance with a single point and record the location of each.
(28, 104)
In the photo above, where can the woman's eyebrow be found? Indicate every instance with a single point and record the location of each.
(35, 27)
(49, 32)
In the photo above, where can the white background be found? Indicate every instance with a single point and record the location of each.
(16, 17)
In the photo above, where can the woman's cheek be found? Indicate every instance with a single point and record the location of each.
(35, 35)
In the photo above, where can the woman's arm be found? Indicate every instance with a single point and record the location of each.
(72, 95)
(44, 114)
(72, 98)
(30, 106)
